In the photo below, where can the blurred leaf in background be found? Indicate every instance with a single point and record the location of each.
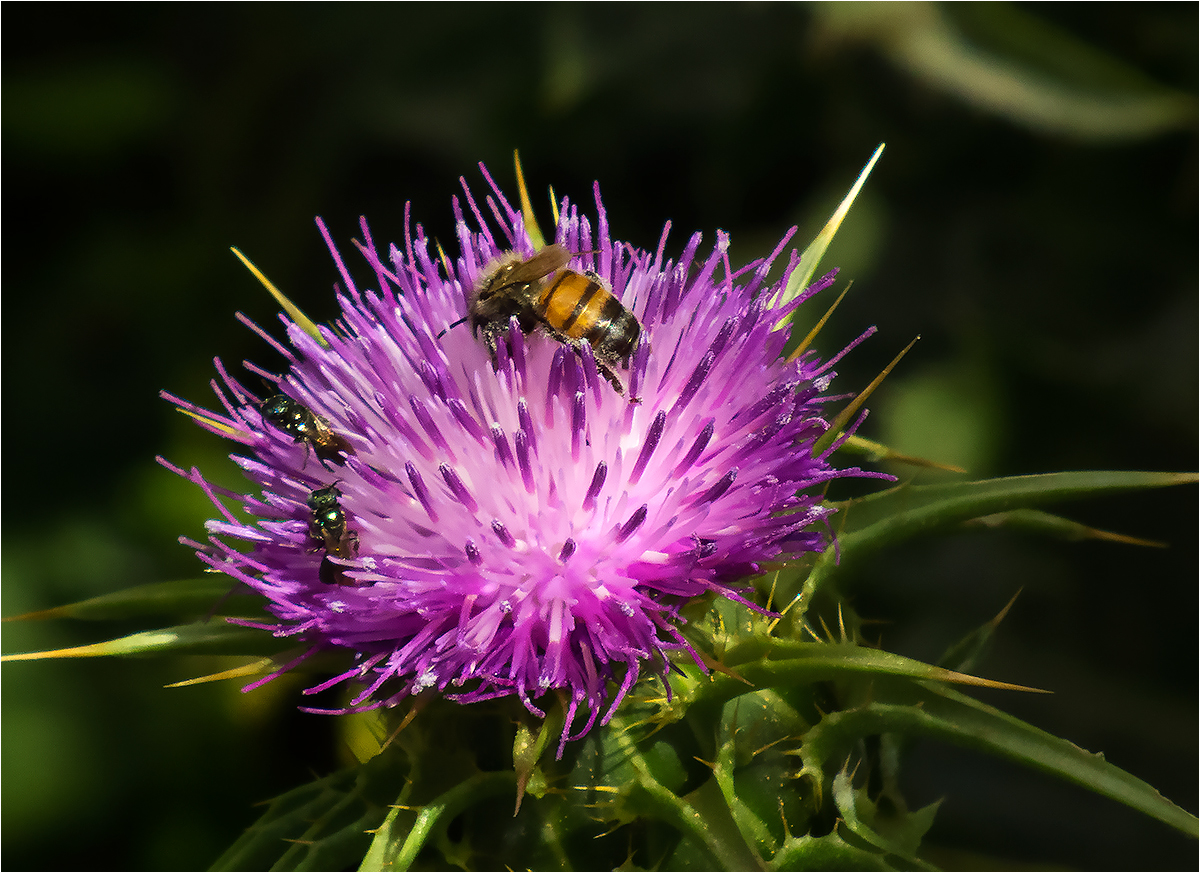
(1004, 61)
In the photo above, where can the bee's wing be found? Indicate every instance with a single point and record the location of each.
(545, 262)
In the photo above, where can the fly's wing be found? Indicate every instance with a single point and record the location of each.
(545, 262)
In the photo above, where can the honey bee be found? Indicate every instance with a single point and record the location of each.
(298, 420)
(571, 307)
(327, 523)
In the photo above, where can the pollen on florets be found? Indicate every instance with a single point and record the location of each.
(505, 521)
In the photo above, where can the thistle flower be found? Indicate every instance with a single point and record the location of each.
(517, 526)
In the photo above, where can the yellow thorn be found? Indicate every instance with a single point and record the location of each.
(553, 206)
(843, 417)
(828, 632)
(709, 764)
(657, 727)
(418, 704)
(804, 271)
(804, 593)
(713, 664)
(38, 615)
(755, 754)
(787, 831)
(627, 728)
(136, 643)
(219, 425)
(879, 452)
(305, 323)
(616, 825)
(92, 651)
(1125, 539)
(237, 672)
(943, 675)
(445, 260)
(995, 622)
(531, 225)
(841, 622)
(812, 334)
(786, 610)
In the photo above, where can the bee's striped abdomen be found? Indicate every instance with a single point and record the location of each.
(579, 307)
(573, 303)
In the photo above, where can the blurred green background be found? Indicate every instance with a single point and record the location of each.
(1034, 219)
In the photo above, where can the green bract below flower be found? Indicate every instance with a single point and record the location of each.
(506, 472)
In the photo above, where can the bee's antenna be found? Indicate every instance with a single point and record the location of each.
(450, 327)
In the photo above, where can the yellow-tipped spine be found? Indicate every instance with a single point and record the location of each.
(843, 417)
(531, 225)
(802, 275)
(812, 334)
(305, 323)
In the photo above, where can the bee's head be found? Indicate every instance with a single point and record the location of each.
(324, 498)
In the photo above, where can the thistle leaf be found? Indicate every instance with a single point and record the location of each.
(1045, 524)
(906, 509)
(323, 825)
(778, 663)
(635, 779)
(402, 836)
(707, 817)
(752, 767)
(945, 714)
(864, 819)
(185, 597)
(213, 638)
(890, 517)
(829, 852)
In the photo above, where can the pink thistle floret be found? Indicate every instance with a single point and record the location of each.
(519, 526)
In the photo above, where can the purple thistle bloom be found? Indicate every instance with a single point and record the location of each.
(521, 527)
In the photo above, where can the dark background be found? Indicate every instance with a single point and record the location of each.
(1049, 266)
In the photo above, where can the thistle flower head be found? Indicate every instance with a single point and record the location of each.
(513, 524)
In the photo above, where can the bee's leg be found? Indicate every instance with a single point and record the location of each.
(612, 377)
(333, 574)
(331, 453)
(339, 449)
(491, 335)
(329, 573)
(578, 344)
(626, 363)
